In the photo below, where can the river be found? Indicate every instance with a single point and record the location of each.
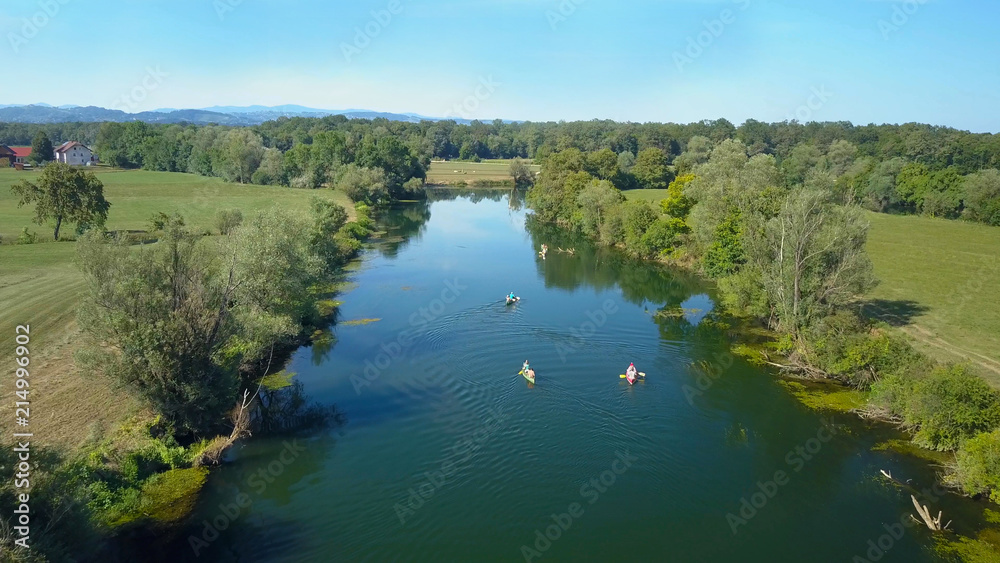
(439, 451)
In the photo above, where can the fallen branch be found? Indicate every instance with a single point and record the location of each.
(933, 524)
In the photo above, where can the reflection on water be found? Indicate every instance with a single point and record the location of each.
(704, 427)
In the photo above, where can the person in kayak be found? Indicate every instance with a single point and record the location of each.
(525, 367)
(631, 372)
(511, 297)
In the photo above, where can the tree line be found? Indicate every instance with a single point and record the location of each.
(909, 168)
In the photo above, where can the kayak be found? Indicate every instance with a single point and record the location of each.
(529, 375)
(512, 301)
(641, 374)
(631, 380)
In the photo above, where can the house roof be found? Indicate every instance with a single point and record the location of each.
(22, 152)
(70, 144)
(6, 151)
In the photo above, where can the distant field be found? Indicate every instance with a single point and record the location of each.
(137, 195)
(40, 285)
(941, 282)
(652, 196)
(451, 171)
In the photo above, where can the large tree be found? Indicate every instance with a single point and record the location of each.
(651, 169)
(811, 258)
(41, 149)
(64, 193)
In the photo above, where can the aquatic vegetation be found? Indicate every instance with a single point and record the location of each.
(359, 322)
(906, 447)
(278, 380)
(825, 396)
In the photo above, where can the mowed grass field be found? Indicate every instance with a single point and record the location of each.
(940, 282)
(449, 172)
(652, 196)
(41, 285)
(137, 195)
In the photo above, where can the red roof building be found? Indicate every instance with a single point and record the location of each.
(21, 154)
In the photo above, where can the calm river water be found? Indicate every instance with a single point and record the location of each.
(440, 451)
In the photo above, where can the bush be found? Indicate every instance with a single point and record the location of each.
(849, 348)
(414, 188)
(945, 408)
(27, 237)
(227, 220)
(662, 237)
(978, 465)
(364, 185)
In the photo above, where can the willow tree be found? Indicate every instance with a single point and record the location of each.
(811, 258)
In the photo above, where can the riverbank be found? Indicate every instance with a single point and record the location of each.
(109, 466)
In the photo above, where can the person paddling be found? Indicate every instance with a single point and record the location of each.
(525, 367)
(631, 372)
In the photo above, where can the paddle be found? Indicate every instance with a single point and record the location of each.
(641, 374)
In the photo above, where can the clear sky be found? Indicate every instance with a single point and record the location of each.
(931, 61)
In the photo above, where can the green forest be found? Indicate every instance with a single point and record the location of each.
(910, 168)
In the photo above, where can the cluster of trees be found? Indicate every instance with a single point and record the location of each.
(786, 243)
(241, 155)
(186, 322)
(910, 168)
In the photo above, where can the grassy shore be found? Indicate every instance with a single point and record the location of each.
(40, 285)
(452, 172)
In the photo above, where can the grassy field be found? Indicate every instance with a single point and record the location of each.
(940, 283)
(136, 195)
(449, 172)
(40, 285)
(652, 196)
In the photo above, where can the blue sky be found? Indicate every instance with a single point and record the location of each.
(932, 61)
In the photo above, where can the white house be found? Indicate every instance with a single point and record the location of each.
(75, 154)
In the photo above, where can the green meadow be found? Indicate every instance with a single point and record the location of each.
(450, 172)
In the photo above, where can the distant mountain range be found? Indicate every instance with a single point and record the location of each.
(221, 115)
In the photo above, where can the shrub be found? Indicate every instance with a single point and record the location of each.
(227, 220)
(27, 237)
(947, 407)
(978, 465)
(847, 347)
(661, 237)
